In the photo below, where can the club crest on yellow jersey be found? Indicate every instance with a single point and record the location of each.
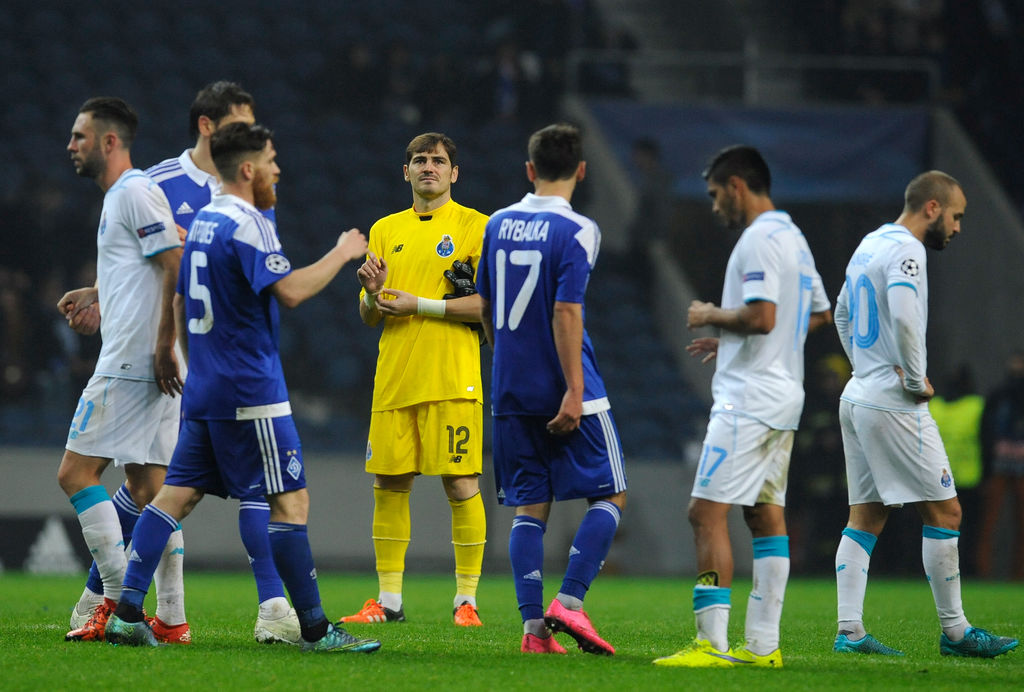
(446, 247)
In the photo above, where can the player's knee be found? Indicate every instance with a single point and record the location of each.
(142, 495)
(74, 475)
(765, 520)
(143, 483)
(459, 488)
(953, 516)
(618, 499)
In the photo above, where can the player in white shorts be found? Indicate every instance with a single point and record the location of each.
(129, 421)
(743, 462)
(772, 297)
(894, 454)
(894, 457)
(128, 410)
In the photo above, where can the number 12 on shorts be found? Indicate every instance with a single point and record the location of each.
(703, 472)
(457, 442)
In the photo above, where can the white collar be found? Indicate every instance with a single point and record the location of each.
(198, 176)
(546, 201)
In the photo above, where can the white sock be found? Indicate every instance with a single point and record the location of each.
(461, 598)
(764, 607)
(941, 557)
(102, 532)
(170, 582)
(852, 562)
(275, 608)
(88, 601)
(713, 625)
(391, 601)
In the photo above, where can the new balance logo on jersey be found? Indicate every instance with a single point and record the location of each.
(455, 459)
(185, 209)
(397, 248)
(535, 575)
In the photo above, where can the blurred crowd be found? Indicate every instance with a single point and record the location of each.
(977, 45)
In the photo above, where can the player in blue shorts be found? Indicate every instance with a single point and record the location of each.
(238, 437)
(554, 436)
(189, 181)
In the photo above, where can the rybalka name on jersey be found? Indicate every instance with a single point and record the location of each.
(518, 230)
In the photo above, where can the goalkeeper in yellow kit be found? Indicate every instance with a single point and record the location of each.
(427, 413)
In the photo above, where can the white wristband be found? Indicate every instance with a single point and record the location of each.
(430, 307)
(370, 300)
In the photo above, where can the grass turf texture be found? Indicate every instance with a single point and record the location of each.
(643, 618)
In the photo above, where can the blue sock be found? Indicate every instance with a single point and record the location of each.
(253, 517)
(526, 552)
(590, 547)
(294, 561)
(127, 514)
(148, 540)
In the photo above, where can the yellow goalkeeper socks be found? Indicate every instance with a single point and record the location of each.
(469, 534)
(391, 531)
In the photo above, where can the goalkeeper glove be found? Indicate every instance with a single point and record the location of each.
(461, 278)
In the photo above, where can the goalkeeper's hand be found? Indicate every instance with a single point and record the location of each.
(461, 278)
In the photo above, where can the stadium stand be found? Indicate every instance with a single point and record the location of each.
(341, 134)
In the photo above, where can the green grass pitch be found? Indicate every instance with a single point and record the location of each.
(642, 617)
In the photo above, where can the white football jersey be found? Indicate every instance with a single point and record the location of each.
(882, 316)
(135, 224)
(761, 375)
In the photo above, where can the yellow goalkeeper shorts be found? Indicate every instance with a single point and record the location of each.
(435, 438)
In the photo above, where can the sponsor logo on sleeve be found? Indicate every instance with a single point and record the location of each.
(753, 276)
(152, 228)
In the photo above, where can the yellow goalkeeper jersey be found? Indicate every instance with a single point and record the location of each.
(426, 358)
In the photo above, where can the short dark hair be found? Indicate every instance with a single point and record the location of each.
(116, 114)
(215, 100)
(232, 144)
(744, 162)
(928, 186)
(556, 151)
(428, 141)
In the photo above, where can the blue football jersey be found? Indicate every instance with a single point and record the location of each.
(188, 188)
(232, 254)
(536, 252)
